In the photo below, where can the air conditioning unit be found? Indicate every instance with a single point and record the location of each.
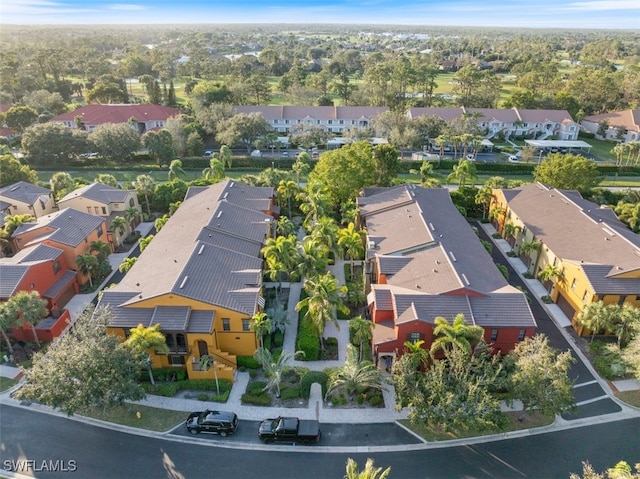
(371, 244)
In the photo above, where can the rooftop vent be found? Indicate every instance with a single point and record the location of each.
(184, 281)
(201, 249)
(452, 256)
(466, 281)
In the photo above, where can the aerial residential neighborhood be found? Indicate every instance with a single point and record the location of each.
(381, 243)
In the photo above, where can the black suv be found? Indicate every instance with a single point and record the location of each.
(218, 422)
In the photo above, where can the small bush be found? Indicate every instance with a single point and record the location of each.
(278, 339)
(256, 386)
(247, 362)
(258, 399)
(308, 341)
(203, 397)
(161, 389)
(267, 342)
(290, 392)
(253, 373)
(496, 236)
(547, 299)
(360, 399)
(376, 400)
(528, 275)
(310, 378)
(511, 254)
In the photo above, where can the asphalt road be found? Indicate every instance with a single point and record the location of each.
(99, 453)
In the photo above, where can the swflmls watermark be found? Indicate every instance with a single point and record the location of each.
(31, 465)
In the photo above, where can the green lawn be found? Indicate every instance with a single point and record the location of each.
(7, 383)
(142, 417)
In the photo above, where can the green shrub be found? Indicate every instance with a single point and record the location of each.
(310, 378)
(253, 373)
(203, 397)
(256, 386)
(248, 362)
(376, 400)
(308, 341)
(278, 339)
(290, 392)
(360, 398)
(161, 389)
(267, 342)
(223, 397)
(256, 399)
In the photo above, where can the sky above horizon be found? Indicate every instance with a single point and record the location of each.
(585, 14)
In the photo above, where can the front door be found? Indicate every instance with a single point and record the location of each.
(203, 349)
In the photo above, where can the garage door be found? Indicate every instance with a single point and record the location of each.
(566, 307)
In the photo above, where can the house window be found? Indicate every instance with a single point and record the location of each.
(131, 202)
(99, 231)
(585, 296)
(415, 337)
(521, 335)
(104, 210)
(494, 334)
(96, 210)
(621, 300)
(176, 360)
(246, 324)
(226, 324)
(89, 209)
(177, 343)
(56, 267)
(275, 122)
(574, 283)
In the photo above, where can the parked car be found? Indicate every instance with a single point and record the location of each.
(513, 159)
(289, 429)
(471, 157)
(208, 154)
(216, 422)
(285, 154)
(256, 153)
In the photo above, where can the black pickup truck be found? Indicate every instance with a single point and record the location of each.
(289, 429)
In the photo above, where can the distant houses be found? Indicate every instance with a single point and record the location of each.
(24, 198)
(623, 126)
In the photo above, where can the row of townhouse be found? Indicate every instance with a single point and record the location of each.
(596, 256)
(425, 261)
(46, 248)
(538, 124)
(200, 279)
(95, 199)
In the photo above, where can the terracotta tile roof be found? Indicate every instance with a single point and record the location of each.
(447, 114)
(98, 114)
(628, 119)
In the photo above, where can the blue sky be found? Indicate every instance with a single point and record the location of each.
(492, 13)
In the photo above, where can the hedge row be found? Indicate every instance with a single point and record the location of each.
(170, 389)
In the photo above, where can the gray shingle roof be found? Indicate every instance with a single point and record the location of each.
(98, 192)
(602, 283)
(209, 251)
(171, 318)
(201, 322)
(24, 192)
(62, 283)
(39, 252)
(69, 227)
(11, 275)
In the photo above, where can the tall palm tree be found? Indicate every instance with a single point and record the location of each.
(261, 324)
(316, 203)
(132, 215)
(176, 171)
(548, 274)
(144, 242)
(273, 368)
(285, 226)
(352, 243)
(361, 332)
(215, 171)
(597, 317)
(355, 376)
(324, 297)
(288, 190)
(280, 255)
(160, 222)
(7, 320)
(463, 172)
(369, 471)
(206, 361)
(101, 249)
(458, 335)
(325, 231)
(226, 156)
(312, 258)
(13, 222)
(497, 215)
(28, 307)
(61, 183)
(119, 225)
(418, 356)
(87, 265)
(529, 247)
(145, 186)
(144, 338)
(626, 324)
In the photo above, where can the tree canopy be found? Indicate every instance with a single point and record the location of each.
(567, 172)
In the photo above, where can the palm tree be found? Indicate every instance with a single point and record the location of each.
(127, 264)
(285, 226)
(28, 307)
(626, 324)
(509, 232)
(144, 338)
(131, 215)
(273, 368)
(322, 301)
(355, 376)
(464, 171)
(455, 335)
(101, 249)
(87, 265)
(281, 255)
(119, 225)
(7, 320)
(206, 361)
(145, 185)
(597, 317)
(214, 172)
(352, 243)
(497, 215)
(288, 191)
(548, 274)
(324, 232)
(315, 204)
(418, 356)
(175, 170)
(144, 242)
(61, 183)
(369, 471)
(300, 168)
(226, 156)
(312, 258)
(483, 197)
(261, 325)
(13, 222)
(428, 177)
(361, 332)
(529, 247)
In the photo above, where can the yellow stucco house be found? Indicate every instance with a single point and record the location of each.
(588, 254)
(200, 278)
(24, 198)
(108, 202)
